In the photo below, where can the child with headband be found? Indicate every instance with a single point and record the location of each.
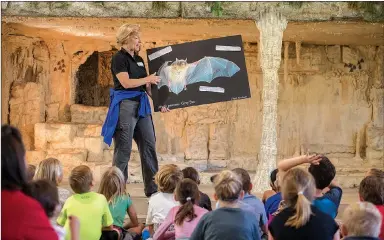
(186, 216)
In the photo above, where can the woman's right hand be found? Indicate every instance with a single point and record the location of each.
(153, 79)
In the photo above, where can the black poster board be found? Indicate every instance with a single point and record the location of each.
(199, 72)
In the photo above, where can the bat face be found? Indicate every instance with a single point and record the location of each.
(177, 71)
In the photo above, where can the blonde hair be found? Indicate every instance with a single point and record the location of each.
(112, 184)
(228, 186)
(168, 177)
(298, 190)
(362, 219)
(81, 179)
(126, 32)
(49, 169)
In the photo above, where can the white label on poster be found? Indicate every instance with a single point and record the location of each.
(228, 48)
(211, 89)
(159, 53)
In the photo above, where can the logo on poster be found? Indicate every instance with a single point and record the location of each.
(237, 98)
(187, 103)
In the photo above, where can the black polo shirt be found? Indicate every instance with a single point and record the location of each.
(122, 61)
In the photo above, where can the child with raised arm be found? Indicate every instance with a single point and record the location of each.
(186, 216)
(112, 186)
(229, 221)
(90, 207)
(300, 220)
(323, 171)
(162, 202)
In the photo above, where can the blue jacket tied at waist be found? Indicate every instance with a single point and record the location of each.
(112, 118)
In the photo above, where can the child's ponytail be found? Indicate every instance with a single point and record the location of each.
(187, 193)
(298, 189)
(303, 212)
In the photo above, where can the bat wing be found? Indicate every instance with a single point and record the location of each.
(163, 74)
(209, 68)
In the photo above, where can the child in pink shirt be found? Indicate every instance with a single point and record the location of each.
(183, 218)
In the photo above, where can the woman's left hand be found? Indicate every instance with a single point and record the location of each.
(164, 109)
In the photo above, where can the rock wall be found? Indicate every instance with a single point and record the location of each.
(306, 11)
(331, 101)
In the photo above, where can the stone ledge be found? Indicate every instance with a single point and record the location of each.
(88, 114)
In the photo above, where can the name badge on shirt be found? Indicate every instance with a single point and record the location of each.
(140, 64)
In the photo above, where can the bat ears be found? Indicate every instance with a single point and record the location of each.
(182, 59)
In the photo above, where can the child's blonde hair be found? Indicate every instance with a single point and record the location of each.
(112, 184)
(228, 186)
(126, 32)
(298, 190)
(49, 169)
(361, 219)
(168, 177)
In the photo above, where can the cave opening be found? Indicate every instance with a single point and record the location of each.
(94, 79)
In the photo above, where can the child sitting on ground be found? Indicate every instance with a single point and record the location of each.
(191, 173)
(323, 171)
(361, 221)
(274, 202)
(186, 216)
(45, 192)
(229, 221)
(52, 170)
(273, 190)
(112, 186)
(91, 208)
(300, 220)
(375, 172)
(372, 190)
(252, 200)
(162, 202)
(31, 172)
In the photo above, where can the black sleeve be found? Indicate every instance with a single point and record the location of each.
(274, 225)
(119, 64)
(209, 204)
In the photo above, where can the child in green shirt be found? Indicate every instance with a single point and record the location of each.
(89, 207)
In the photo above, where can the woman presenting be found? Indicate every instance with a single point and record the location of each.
(129, 114)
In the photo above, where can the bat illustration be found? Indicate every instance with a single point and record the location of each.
(178, 74)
